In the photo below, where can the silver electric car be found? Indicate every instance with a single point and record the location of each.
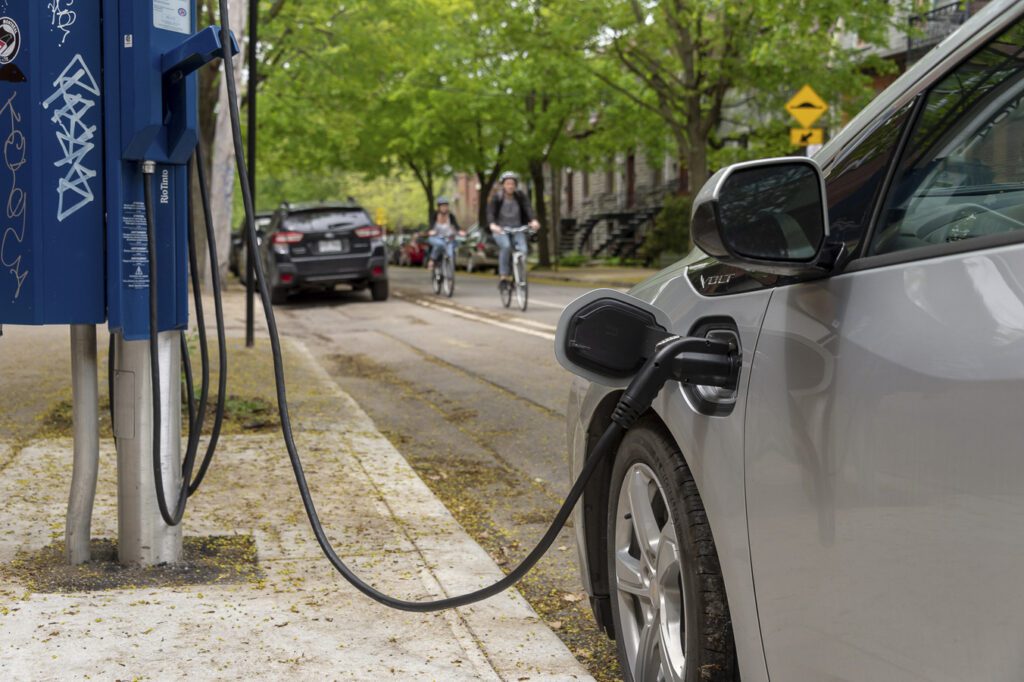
(854, 510)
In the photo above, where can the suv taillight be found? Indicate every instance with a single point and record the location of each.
(286, 238)
(369, 232)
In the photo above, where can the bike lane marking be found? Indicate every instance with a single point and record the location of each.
(485, 320)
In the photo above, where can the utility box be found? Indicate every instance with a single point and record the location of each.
(51, 168)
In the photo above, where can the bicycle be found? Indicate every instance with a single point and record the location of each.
(442, 277)
(518, 284)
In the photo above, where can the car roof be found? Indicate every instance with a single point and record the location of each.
(308, 207)
(989, 22)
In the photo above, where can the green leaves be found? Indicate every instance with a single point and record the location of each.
(426, 87)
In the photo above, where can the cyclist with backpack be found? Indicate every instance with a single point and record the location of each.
(443, 228)
(509, 207)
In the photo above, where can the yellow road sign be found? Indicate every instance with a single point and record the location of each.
(806, 107)
(801, 137)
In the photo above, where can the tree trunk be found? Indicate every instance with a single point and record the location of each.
(208, 83)
(487, 179)
(541, 211)
(222, 175)
(696, 161)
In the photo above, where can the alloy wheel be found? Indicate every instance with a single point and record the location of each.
(649, 580)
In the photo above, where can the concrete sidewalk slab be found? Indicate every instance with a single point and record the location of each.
(301, 619)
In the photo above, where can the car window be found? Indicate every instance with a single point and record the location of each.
(320, 221)
(962, 176)
(853, 181)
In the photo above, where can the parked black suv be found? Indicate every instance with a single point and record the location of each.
(318, 246)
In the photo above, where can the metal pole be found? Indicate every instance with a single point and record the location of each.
(143, 537)
(85, 394)
(250, 268)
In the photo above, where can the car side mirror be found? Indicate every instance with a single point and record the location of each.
(606, 336)
(770, 215)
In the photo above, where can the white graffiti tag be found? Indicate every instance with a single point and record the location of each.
(15, 213)
(77, 94)
(62, 16)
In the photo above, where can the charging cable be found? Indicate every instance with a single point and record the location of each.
(668, 363)
(196, 414)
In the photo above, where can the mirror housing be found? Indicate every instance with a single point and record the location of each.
(770, 215)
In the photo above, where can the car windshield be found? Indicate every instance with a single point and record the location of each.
(322, 221)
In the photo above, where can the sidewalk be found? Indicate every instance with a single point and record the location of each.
(594, 276)
(288, 614)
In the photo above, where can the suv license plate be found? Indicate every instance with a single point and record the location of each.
(333, 246)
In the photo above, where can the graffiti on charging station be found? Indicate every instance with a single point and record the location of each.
(76, 94)
(62, 17)
(15, 214)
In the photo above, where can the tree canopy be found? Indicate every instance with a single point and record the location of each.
(415, 90)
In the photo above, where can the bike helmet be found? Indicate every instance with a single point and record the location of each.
(443, 200)
(509, 175)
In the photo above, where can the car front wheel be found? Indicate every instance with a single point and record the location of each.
(668, 598)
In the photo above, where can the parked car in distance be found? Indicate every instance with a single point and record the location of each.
(394, 242)
(477, 251)
(322, 245)
(414, 251)
(867, 474)
(236, 254)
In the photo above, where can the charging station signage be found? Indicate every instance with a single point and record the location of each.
(51, 164)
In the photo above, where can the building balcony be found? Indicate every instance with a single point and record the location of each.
(928, 29)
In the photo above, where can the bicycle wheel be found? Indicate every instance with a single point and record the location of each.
(435, 279)
(447, 277)
(505, 291)
(519, 268)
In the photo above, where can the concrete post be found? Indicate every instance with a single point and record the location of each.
(143, 537)
(85, 394)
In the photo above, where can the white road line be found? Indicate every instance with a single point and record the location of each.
(536, 325)
(486, 320)
(545, 304)
(472, 311)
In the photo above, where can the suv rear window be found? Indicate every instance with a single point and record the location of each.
(322, 221)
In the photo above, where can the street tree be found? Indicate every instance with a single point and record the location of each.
(714, 70)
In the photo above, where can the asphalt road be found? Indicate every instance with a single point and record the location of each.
(471, 394)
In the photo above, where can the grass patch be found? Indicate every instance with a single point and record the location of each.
(206, 561)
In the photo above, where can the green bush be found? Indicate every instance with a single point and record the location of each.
(619, 261)
(671, 231)
(572, 260)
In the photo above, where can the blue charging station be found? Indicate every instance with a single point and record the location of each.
(51, 171)
(86, 95)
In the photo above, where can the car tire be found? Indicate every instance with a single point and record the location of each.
(669, 606)
(278, 296)
(379, 290)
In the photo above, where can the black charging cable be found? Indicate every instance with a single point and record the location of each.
(197, 414)
(661, 368)
(218, 307)
(169, 517)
